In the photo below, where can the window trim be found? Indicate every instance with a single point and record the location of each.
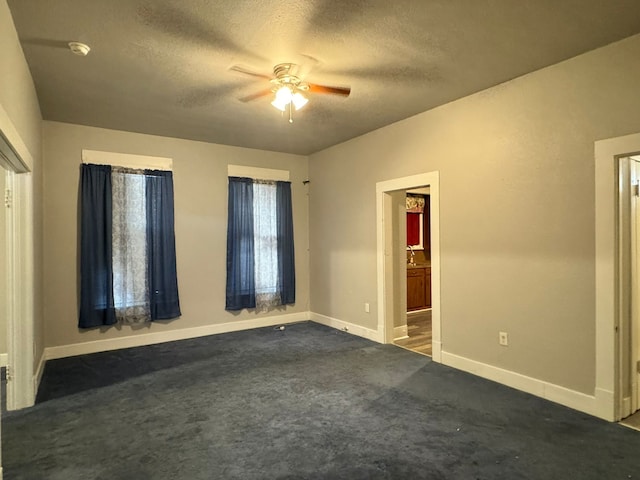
(258, 173)
(141, 162)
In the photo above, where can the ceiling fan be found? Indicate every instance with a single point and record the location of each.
(288, 87)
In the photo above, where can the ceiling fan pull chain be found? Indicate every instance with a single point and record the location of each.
(290, 112)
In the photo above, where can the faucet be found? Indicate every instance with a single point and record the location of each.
(412, 256)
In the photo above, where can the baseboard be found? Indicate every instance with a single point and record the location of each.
(606, 405)
(4, 359)
(436, 351)
(96, 346)
(626, 407)
(589, 404)
(400, 333)
(347, 327)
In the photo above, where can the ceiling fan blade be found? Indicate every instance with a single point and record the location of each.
(307, 64)
(246, 71)
(344, 91)
(255, 96)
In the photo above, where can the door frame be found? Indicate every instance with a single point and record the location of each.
(20, 335)
(628, 169)
(634, 327)
(17, 159)
(386, 249)
(612, 282)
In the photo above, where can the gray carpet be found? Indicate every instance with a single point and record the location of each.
(308, 402)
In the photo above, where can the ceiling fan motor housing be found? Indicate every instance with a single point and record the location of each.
(285, 76)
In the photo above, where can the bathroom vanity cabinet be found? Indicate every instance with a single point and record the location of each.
(418, 287)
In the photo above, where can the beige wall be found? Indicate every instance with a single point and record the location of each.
(17, 93)
(19, 101)
(200, 182)
(517, 214)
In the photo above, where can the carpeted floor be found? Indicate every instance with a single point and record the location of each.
(308, 402)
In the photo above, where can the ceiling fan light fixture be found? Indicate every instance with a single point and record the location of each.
(283, 98)
(284, 94)
(280, 105)
(299, 100)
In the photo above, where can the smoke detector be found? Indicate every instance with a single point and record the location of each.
(79, 48)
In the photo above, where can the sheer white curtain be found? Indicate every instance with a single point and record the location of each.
(265, 224)
(129, 244)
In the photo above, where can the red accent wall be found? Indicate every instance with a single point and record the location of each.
(413, 228)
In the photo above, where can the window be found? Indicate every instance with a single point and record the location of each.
(127, 251)
(260, 250)
(129, 246)
(265, 237)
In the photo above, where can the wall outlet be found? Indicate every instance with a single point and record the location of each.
(503, 338)
(366, 308)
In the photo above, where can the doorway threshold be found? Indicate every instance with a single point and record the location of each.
(419, 334)
(413, 350)
(632, 421)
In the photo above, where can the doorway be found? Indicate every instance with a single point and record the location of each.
(392, 256)
(629, 248)
(416, 333)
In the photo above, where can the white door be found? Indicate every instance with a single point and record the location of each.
(635, 285)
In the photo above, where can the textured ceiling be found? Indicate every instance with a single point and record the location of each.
(162, 67)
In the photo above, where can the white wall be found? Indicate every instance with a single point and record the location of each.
(517, 214)
(200, 183)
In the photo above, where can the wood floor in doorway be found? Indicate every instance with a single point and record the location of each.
(632, 422)
(419, 331)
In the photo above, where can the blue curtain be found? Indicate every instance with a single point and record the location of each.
(241, 245)
(96, 272)
(161, 246)
(96, 251)
(286, 257)
(241, 292)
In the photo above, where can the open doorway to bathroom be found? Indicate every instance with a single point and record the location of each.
(617, 323)
(417, 334)
(629, 323)
(409, 278)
